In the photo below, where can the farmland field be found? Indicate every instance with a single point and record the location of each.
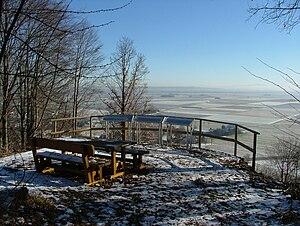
(255, 110)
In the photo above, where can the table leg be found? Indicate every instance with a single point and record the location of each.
(135, 161)
(114, 165)
(114, 162)
(123, 158)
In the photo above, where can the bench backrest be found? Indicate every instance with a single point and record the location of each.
(63, 145)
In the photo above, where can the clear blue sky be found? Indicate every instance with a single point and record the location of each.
(201, 43)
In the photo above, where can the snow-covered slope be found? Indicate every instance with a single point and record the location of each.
(177, 188)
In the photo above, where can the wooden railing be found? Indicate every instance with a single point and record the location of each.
(235, 139)
(71, 128)
(199, 131)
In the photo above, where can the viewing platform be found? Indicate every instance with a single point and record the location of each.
(164, 130)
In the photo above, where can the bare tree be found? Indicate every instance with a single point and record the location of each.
(38, 64)
(284, 13)
(287, 152)
(45, 57)
(126, 81)
(87, 54)
(7, 28)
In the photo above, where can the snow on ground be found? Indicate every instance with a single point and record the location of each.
(177, 188)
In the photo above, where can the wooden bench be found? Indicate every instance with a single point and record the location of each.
(136, 153)
(137, 156)
(72, 157)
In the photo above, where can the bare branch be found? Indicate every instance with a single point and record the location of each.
(10, 29)
(284, 13)
(50, 11)
(71, 31)
(273, 83)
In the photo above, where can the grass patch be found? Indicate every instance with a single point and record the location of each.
(22, 208)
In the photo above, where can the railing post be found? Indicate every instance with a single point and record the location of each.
(54, 126)
(107, 130)
(191, 137)
(200, 133)
(187, 138)
(235, 140)
(254, 151)
(137, 132)
(91, 133)
(124, 126)
(171, 141)
(54, 129)
(160, 134)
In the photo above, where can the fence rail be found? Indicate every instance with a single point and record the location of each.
(90, 127)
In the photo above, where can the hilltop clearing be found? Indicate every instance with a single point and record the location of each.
(176, 188)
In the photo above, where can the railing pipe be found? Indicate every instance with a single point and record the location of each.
(201, 134)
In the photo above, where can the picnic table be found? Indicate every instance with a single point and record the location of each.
(114, 147)
(96, 159)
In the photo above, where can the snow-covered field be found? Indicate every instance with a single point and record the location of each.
(176, 188)
(255, 110)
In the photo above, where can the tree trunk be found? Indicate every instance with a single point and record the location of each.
(4, 132)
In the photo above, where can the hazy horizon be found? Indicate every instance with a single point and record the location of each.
(196, 89)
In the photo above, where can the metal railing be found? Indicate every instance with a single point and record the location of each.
(199, 131)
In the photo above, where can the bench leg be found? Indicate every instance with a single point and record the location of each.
(98, 175)
(114, 167)
(89, 177)
(140, 161)
(123, 159)
(42, 163)
(137, 161)
(95, 175)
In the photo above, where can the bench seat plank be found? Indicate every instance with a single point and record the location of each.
(60, 157)
(138, 151)
(70, 158)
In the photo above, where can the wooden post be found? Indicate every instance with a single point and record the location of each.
(235, 140)
(114, 161)
(187, 137)
(74, 126)
(191, 136)
(91, 132)
(123, 158)
(88, 173)
(254, 151)
(107, 130)
(137, 132)
(130, 125)
(124, 126)
(160, 135)
(36, 161)
(54, 126)
(171, 135)
(200, 133)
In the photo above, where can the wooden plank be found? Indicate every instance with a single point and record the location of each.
(71, 158)
(60, 157)
(133, 150)
(63, 145)
(83, 165)
(70, 118)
